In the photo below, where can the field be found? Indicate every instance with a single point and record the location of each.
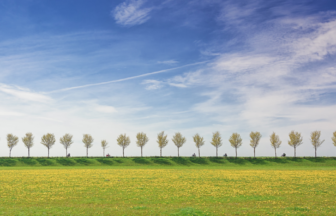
(241, 188)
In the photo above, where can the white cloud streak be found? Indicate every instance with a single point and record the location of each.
(125, 79)
(152, 84)
(25, 94)
(131, 13)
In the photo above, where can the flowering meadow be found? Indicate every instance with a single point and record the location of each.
(138, 191)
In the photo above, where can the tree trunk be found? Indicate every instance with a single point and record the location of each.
(48, 152)
(103, 152)
(199, 153)
(28, 152)
(295, 152)
(254, 152)
(160, 152)
(10, 150)
(236, 152)
(275, 152)
(66, 152)
(216, 151)
(141, 151)
(315, 151)
(123, 152)
(87, 152)
(178, 152)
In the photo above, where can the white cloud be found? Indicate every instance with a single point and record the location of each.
(185, 80)
(152, 84)
(106, 109)
(25, 94)
(131, 13)
(10, 113)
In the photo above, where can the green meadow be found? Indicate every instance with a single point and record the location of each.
(167, 186)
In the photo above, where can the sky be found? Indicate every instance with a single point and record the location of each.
(107, 68)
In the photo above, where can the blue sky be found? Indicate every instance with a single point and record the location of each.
(112, 67)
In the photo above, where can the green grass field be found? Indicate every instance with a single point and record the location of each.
(167, 186)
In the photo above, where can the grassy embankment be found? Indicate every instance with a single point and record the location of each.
(170, 162)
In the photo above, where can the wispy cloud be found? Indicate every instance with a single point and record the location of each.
(131, 13)
(152, 84)
(125, 79)
(25, 94)
(106, 109)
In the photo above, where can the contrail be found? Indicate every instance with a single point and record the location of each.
(124, 79)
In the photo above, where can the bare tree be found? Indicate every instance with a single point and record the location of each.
(162, 141)
(334, 138)
(48, 140)
(315, 140)
(216, 141)
(142, 139)
(104, 145)
(11, 142)
(199, 142)
(87, 140)
(178, 140)
(295, 139)
(66, 141)
(275, 142)
(254, 142)
(28, 141)
(236, 141)
(123, 141)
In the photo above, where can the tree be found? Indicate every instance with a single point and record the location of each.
(123, 141)
(11, 142)
(178, 140)
(48, 140)
(315, 139)
(254, 142)
(87, 140)
(295, 140)
(28, 141)
(142, 139)
(66, 141)
(162, 141)
(334, 138)
(199, 141)
(236, 141)
(104, 145)
(216, 141)
(275, 142)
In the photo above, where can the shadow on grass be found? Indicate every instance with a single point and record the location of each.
(141, 161)
(65, 161)
(7, 162)
(119, 160)
(199, 160)
(28, 161)
(240, 161)
(258, 161)
(278, 160)
(45, 162)
(105, 161)
(161, 161)
(295, 159)
(83, 161)
(219, 160)
(181, 161)
(318, 160)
